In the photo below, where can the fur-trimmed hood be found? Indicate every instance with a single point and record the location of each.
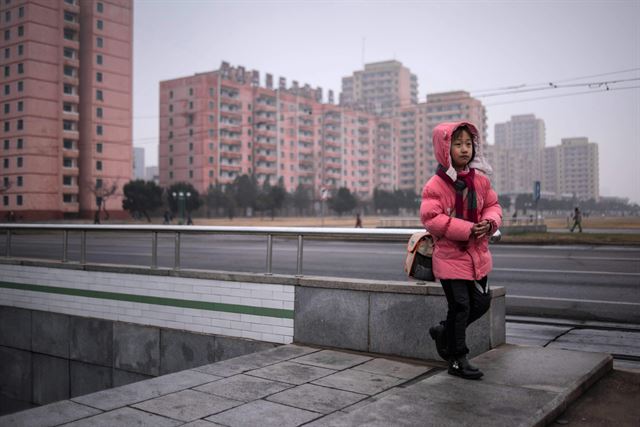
(442, 148)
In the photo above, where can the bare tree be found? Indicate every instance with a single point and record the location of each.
(102, 194)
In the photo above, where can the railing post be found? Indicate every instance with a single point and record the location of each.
(176, 261)
(83, 247)
(65, 245)
(299, 267)
(154, 250)
(269, 252)
(8, 251)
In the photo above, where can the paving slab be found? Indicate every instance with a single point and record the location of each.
(201, 423)
(332, 359)
(530, 334)
(444, 401)
(264, 414)
(541, 368)
(292, 373)
(241, 364)
(144, 390)
(359, 381)
(243, 387)
(49, 415)
(187, 405)
(317, 398)
(393, 368)
(125, 417)
(614, 342)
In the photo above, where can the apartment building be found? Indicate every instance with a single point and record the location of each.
(572, 169)
(519, 147)
(381, 88)
(66, 106)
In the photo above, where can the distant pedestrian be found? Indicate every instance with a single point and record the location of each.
(358, 220)
(577, 220)
(167, 218)
(96, 217)
(461, 211)
(189, 220)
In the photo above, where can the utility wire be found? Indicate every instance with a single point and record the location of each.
(563, 95)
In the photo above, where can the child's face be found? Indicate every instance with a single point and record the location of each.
(461, 150)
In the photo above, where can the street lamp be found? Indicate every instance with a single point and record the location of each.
(181, 197)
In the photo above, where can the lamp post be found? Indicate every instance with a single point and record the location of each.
(181, 197)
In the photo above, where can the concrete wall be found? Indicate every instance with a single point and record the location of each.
(386, 318)
(46, 357)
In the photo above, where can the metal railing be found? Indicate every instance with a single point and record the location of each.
(300, 233)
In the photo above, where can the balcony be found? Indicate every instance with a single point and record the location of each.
(229, 93)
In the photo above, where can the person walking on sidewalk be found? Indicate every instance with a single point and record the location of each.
(577, 220)
(461, 211)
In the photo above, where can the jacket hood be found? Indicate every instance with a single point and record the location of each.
(442, 148)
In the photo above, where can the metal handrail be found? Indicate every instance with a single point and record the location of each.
(372, 234)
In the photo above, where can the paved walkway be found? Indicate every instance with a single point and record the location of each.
(294, 385)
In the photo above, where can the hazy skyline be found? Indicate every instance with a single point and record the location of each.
(477, 46)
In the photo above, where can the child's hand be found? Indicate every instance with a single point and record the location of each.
(481, 229)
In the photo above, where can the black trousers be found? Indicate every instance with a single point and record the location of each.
(466, 304)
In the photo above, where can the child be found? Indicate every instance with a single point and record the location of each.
(461, 211)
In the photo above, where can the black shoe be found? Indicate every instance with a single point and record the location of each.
(466, 364)
(460, 367)
(437, 333)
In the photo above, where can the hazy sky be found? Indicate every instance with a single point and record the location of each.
(449, 45)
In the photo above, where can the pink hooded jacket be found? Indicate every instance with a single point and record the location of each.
(452, 257)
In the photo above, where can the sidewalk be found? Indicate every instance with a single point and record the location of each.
(297, 385)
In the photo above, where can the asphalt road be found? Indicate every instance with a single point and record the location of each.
(601, 273)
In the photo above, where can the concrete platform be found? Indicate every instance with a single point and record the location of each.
(297, 385)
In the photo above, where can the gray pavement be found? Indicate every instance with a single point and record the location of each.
(296, 385)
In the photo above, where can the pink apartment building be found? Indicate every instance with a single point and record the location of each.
(219, 125)
(66, 106)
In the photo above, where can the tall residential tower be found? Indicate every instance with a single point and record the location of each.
(66, 106)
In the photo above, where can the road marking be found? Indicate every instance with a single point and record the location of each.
(532, 270)
(562, 258)
(595, 301)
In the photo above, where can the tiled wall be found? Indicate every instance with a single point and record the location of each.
(233, 308)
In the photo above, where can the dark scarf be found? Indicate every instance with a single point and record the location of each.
(459, 185)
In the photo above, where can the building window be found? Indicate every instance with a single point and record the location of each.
(19, 181)
(20, 49)
(99, 24)
(5, 200)
(170, 161)
(67, 180)
(21, 12)
(68, 52)
(7, 70)
(191, 105)
(20, 31)
(171, 148)
(19, 199)
(99, 129)
(67, 198)
(68, 71)
(7, 34)
(210, 160)
(5, 163)
(170, 94)
(19, 144)
(190, 91)
(19, 162)
(20, 106)
(99, 59)
(171, 108)
(20, 86)
(7, 89)
(190, 160)
(67, 89)
(7, 16)
(7, 53)
(7, 126)
(211, 174)
(7, 108)
(99, 147)
(99, 183)
(6, 144)
(170, 134)
(99, 165)
(6, 182)
(170, 175)
(99, 112)
(190, 174)
(20, 125)
(100, 7)
(98, 76)
(191, 146)
(67, 125)
(21, 68)
(99, 96)
(99, 42)
(67, 144)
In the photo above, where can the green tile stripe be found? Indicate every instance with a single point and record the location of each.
(146, 299)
